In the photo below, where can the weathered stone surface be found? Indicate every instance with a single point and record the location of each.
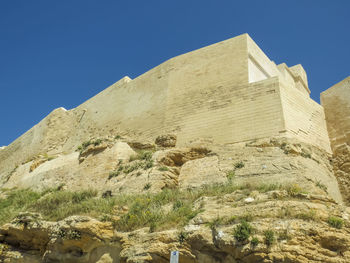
(336, 102)
(166, 140)
(203, 171)
(300, 236)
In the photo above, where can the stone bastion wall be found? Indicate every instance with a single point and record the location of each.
(225, 93)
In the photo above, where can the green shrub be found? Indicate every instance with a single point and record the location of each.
(269, 237)
(254, 242)
(243, 231)
(178, 204)
(148, 164)
(182, 236)
(335, 222)
(85, 144)
(239, 165)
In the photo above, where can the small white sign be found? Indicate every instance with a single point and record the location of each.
(174, 257)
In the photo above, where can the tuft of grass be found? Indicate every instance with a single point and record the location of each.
(243, 231)
(230, 175)
(144, 210)
(335, 222)
(66, 203)
(269, 237)
(322, 186)
(294, 190)
(182, 236)
(15, 202)
(216, 222)
(113, 174)
(147, 186)
(163, 168)
(307, 216)
(239, 165)
(254, 242)
(142, 155)
(148, 164)
(86, 144)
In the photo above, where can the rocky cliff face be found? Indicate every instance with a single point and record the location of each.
(119, 200)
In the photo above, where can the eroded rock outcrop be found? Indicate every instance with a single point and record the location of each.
(300, 230)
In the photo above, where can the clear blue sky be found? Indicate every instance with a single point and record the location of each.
(61, 53)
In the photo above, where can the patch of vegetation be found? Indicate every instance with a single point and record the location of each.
(117, 137)
(113, 174)
(132, 167)
(215, 223)
(146, 159)
(178, 204)
(239, 165)
(145, 209)
(294, 190)
(307, 216)
(306, 155)
(142, 155)
(243, 231)
(86, 144)
(254, 242)
(182, 236)
(147, 186)
(148, 164)
(163, 168)
(269, 237)
(335, 222)
(230, 175)
(264, 188)
(322, 186)
(15, 202)
(284, 235)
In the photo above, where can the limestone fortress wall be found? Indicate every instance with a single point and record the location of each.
(226, 93)
(336, 102)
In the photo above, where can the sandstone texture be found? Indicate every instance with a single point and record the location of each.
(336, 102)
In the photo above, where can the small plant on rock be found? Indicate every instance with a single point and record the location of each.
(230, 175)
(254, 242)
(239, 165)
(215, 223)
(147, 186)
(182, 236)
(335, 222)
(113, 174)
(163, 168)
(243, 231)
(321, 186)
(269, 237)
